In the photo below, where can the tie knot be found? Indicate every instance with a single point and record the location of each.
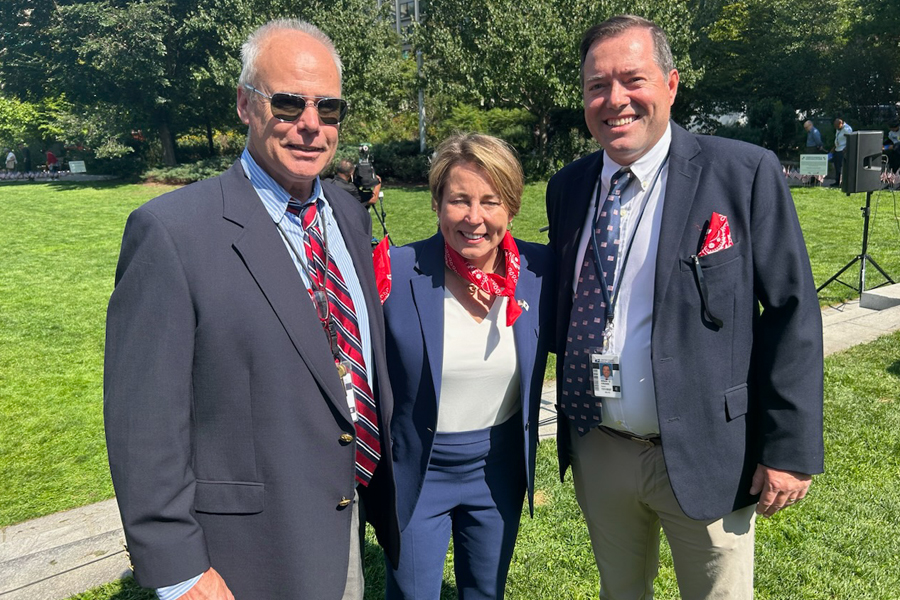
(619, 181)
(306, 212)
(621, 178)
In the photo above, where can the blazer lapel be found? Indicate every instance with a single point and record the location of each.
(525, 331)
(260, 246)
(578, 204)
(681, 187)
(428, 295)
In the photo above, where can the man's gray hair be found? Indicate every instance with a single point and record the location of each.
(250, 49)
(614, 26)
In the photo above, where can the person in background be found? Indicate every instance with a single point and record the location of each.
(52, 164)
(343, 178)
(814, 143)
(467, 323)
(246, 393)
(841, 129)
(11, 161)
(25, 151)
(681, 259)
(893, 150)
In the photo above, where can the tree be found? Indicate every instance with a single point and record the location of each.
(524, 53)
(867, 70)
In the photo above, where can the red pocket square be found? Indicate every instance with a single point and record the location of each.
(718, 237)
(381, 260)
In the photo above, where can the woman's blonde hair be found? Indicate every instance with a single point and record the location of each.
(494, 156)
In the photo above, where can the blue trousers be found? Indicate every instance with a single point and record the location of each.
(473, 489)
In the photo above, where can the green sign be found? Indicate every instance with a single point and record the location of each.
(814, 164)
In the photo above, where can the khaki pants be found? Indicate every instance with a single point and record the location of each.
(624, 492)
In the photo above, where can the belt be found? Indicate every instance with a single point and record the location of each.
(648, 441)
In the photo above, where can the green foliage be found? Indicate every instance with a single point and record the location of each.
(18, 121)
(400, 161)
(776, 123)
(194, 145)
(515, 54)
(189, 172)
(513, 125)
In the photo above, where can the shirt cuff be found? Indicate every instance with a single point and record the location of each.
(171, 592)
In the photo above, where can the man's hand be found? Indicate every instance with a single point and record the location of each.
(211, 586)
(375, 192)
(777, 489)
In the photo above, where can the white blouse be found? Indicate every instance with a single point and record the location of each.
(480, 374)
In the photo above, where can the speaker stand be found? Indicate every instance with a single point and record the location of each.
(862, 257)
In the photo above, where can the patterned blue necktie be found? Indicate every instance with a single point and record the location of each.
(588, 318)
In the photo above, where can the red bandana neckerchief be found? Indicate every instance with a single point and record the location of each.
(492, 283)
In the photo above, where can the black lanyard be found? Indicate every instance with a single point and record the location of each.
(611, 302)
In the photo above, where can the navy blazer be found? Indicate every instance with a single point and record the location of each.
(414, 319)
(729, 397)
(230, 441)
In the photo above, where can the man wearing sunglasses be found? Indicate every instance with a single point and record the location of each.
(245, 392)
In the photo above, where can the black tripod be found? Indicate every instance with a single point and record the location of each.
(862, 257)
(380, 209)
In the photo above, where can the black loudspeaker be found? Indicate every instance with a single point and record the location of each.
(862, 162)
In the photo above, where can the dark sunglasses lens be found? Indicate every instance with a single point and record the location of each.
(287, 107)
(332, 110)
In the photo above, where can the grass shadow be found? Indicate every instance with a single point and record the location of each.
(894, 368)
(109, 184)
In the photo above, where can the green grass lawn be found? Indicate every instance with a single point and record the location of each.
(59, 244)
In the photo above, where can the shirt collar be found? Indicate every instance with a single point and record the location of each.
(274, 197)
(646, 166)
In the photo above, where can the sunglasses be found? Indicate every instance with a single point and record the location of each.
(287, 107)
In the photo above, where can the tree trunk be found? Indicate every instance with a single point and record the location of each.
(209, 138)
(541, 133)
(168, 142)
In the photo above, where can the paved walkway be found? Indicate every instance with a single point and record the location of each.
(60, 555)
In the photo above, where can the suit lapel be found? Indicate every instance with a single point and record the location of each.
(525, 331)
(577, 206)
(681, 187)
(261, 248)
(428, 296)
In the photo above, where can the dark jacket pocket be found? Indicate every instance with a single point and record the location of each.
(229, 497)
(736, 400)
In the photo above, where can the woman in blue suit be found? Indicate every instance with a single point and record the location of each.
(468, 322)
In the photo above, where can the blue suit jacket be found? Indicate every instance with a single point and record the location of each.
(414, 320)
(730, 397)
(226, 420)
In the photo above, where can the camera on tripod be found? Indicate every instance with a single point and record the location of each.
(365, 178)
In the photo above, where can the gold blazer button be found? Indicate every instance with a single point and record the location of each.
(346, 438)
(344, 502)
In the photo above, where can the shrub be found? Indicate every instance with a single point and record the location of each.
(189, 172)
(401, 161)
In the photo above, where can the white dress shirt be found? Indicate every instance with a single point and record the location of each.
(635, 411)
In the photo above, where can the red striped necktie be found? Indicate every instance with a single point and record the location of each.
(349, 347)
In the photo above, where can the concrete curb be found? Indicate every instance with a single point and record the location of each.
(57, 556)
(63, 554)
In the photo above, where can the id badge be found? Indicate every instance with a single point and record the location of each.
(343, 369)
(606, 375)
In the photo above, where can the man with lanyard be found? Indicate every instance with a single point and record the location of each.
(841, 129)
(717, 414)
(246, 399)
